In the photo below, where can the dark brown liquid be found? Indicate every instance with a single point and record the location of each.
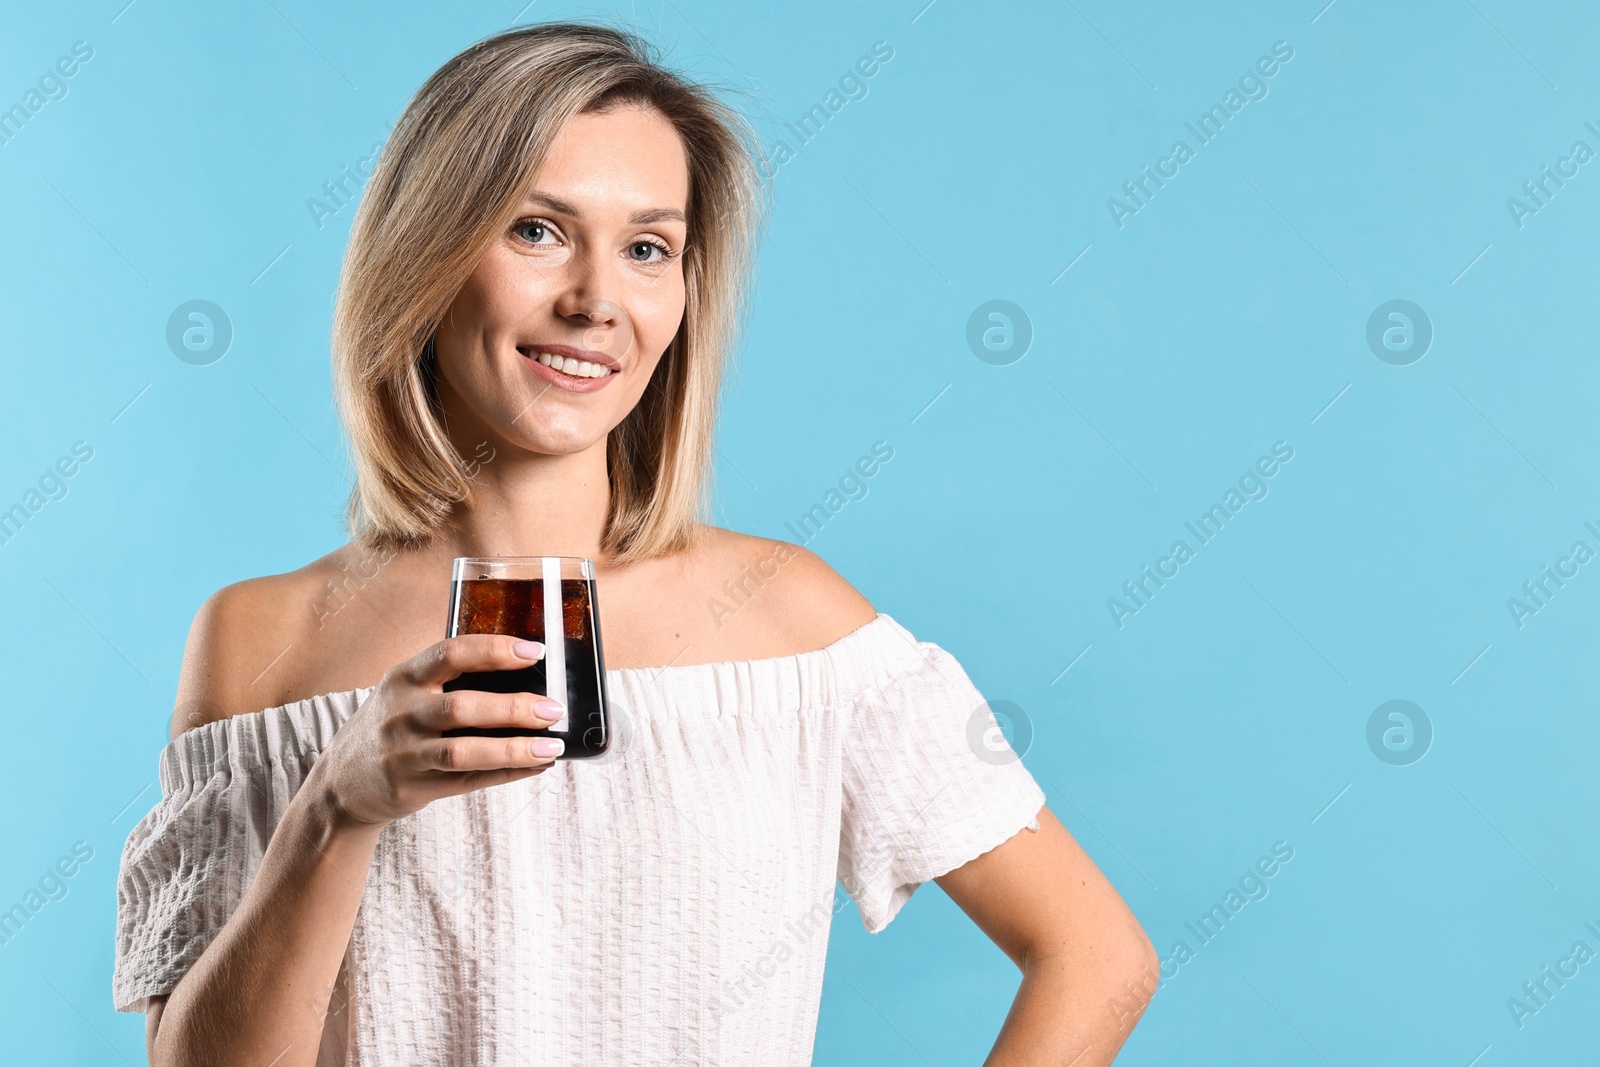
(515, 606)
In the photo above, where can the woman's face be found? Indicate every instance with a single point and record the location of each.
(591, 269)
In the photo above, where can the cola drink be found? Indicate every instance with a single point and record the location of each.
(550, 599)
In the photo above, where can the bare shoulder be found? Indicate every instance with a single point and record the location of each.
(238, 633)
(798, 600)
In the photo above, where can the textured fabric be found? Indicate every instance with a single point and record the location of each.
(668, 902)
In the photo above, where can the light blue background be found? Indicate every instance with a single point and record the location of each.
(1223, 317)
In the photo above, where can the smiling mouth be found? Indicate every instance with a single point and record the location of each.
(571, 366)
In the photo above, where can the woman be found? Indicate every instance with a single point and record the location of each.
(541, 287)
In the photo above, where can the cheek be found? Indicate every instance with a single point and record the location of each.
(483, 312)
(500, 293)
(458, 330)
(659, 315)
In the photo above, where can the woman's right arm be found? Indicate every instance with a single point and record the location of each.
(259, 992)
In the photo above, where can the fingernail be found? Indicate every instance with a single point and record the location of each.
(546, 708)
(544, 747)
(528, 649)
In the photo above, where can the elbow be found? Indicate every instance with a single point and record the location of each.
(1138, 950)
(1147, 961)
(1133, 973)
(1119, 965)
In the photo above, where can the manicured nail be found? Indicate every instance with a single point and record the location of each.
(548, 709)
(528, 649)
(544, 747)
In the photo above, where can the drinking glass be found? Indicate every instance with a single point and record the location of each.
(550, 599)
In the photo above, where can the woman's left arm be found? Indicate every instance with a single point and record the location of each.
(1088, 970)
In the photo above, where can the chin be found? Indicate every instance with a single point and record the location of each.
(550, 441)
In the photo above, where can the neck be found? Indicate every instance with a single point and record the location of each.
(530, 504)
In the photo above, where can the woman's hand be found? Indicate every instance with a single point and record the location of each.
(390, 758)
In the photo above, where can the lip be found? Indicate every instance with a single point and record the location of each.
(567, 350)
(530, 355)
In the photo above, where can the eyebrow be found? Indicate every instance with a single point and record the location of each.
(638, 218)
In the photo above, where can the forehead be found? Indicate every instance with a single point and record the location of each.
(617, 163)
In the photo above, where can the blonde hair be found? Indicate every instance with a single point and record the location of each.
(451, 177)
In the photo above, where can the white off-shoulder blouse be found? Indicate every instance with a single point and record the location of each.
(667, 902)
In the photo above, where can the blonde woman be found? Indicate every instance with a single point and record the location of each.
(542, 287)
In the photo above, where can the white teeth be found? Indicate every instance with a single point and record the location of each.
(577, 368)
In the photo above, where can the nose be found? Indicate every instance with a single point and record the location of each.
(587, 295)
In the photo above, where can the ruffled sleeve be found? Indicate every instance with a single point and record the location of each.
(187, 863)
(929, 781)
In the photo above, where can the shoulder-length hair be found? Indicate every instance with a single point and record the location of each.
(451, 177)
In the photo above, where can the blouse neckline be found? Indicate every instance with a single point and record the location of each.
(880, 621)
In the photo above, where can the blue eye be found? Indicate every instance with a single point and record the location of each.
(531, 224)
(540, 228)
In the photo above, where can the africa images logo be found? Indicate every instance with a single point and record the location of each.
(1252, 85)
